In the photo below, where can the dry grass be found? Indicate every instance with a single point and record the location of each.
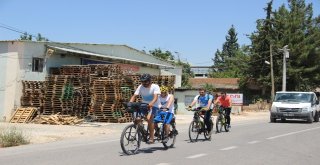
(12, 136)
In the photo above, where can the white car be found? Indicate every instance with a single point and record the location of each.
(295, 105)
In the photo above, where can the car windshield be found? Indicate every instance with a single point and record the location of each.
(293, 97)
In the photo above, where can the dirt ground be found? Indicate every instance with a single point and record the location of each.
(40, 133)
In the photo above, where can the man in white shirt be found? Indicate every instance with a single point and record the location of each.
(149, 93)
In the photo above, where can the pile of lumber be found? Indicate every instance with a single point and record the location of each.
(57, 119)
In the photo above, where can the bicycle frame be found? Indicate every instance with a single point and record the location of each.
(198, 120)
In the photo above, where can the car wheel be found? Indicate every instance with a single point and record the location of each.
(316, 117)
(272, 120)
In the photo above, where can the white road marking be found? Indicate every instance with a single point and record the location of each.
(163, 164)
(292, 133)
(229, 148)
(253, 142)
(196, 156)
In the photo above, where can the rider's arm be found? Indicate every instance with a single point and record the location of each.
(133, 97)
(136, 93)
(209, 104)
(194, 101)
(230, 102)
(155, 98)
(170, 102)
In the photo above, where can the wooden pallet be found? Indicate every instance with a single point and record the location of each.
(23, 115)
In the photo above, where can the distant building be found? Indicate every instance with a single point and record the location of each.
(185, 96)
(201, 71)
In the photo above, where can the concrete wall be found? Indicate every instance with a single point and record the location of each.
(185, 97)
(10, 77)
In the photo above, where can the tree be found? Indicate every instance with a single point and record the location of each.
(228, 62)
(26, 37)
(186, 69)
(167, 55)
(40, 38)
(296, 28)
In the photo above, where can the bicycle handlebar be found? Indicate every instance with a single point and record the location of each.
(196, 109)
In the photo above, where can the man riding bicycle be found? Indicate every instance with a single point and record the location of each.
(225, 102)
(149, 93)
(204, 101)
(166, 100)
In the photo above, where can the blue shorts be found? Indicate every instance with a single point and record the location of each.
(168, 118)
(155, 111)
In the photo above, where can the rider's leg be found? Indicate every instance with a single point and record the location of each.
(207, 119)
(154, 111)
(228, 119)
(167, 122)
(151, 128)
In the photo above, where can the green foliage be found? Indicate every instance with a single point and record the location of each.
(167, 55)
(232, 60)
(186, 73)
(186, 69)
(296, 28)
(12, 137)
(28, 37)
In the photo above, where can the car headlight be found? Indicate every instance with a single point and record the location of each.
(305, 109)
(273, 109)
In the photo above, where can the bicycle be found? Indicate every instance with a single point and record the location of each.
(197, 125)
(221, 120)
(133, 134)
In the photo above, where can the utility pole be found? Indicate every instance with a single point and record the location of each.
(272, 76)
(284, 77)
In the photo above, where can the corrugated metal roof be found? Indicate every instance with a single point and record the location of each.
(81, 51)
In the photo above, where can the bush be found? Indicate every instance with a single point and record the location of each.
(12, 137)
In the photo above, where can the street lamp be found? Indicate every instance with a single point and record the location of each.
(285, 51)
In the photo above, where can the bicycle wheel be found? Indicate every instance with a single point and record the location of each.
(194, 129)
(130, 139)
(172, 137)
(219, 124)
(226, 128)
(207, 134)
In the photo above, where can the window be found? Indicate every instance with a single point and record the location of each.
(37, 64)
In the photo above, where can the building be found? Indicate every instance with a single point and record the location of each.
(33, 61)
(201, 71)
(185, 96)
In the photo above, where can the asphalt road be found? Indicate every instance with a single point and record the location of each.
(248, 142)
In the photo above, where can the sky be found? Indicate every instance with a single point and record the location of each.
(191, 30)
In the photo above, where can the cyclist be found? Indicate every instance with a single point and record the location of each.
(204, 101)
(167, 103)
(225, 102)
(149, 93)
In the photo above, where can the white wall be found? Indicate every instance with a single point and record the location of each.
(9, 80)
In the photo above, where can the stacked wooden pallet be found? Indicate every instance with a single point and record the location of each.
(81, 87)
(95, 90)
(58, 94)
(32, 93)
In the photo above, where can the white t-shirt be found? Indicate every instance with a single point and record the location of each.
(148, 93)
(164, 102)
